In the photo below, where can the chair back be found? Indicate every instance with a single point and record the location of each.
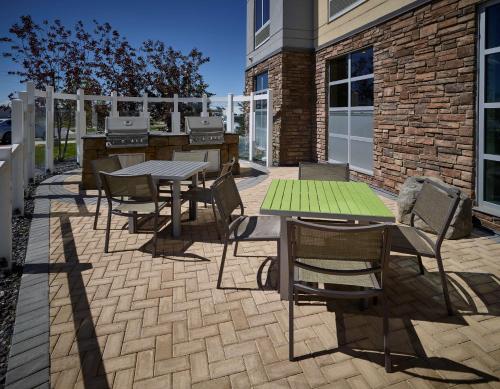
(227, 167)
(226, 198)
(318, 242)
(130, 188)
(191, 156)
(436, 206)
(106, 165)
(324, 171)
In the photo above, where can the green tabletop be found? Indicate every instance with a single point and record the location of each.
(325, 199)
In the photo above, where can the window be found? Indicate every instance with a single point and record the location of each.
(337, 8)
(350, 118)
(261, 21)
(488, 183)
(261, 83)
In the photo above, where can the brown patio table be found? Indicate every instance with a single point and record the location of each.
(289, 198)
(175, 171)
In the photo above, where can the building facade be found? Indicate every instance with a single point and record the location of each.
(396, 88)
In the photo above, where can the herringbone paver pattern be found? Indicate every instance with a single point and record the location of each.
(123, 319)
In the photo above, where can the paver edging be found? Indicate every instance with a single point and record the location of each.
(28, 365)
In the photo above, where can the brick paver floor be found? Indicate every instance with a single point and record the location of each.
(124, 319)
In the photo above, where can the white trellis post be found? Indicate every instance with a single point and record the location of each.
(269, 129)
(18, 156)
(230, 113)
(23, 96)
(49, 128)
(30, 128)
(204, 106)
(5, 206)
(81, 124)
(251, 127)
(114, 104)
(145, 105)
(176, 116)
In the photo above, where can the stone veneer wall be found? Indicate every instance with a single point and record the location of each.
(160, 147)
(424, 94)
(290, 75)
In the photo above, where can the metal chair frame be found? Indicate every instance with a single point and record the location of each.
(97, 167)
(124, 198)
(421, 211)
(225, 207)
(312, 289)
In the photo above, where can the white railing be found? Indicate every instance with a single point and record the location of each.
(17, 161)
(80, 97)
(12, 180)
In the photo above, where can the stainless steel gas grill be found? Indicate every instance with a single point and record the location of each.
(127, 131)
(205, 130)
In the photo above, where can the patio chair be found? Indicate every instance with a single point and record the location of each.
(106, 165)
(435, 205)
(135, 195)
(238, 228)
(192, 156)
(204, 195)
(189, 156)
(349, 261)
(324, 171)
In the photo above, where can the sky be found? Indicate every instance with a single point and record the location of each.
(216, 27)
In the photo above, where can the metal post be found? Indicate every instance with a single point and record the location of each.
(230, 113)
(18, 172)
(204, 106)
(269, 129)
(114, 104)
(251, 127)
(81, 124)
(30, 128)
(49, 129)
(176, 116)
(5, 206)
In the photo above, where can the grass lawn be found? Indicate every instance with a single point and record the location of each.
(40, 153)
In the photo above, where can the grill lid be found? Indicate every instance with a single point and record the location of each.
(123, 124)
(212, 123)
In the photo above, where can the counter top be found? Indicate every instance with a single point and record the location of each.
(151, 133)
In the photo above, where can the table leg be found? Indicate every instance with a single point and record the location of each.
(283, 258)
(132, 224)
(193, 208)
(176, 209)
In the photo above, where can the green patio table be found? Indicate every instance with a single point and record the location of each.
(319, 199)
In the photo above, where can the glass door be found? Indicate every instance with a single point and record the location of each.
(488, 183)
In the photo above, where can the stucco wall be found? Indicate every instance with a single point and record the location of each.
(365, 13)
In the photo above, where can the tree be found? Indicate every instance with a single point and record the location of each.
(100, 61)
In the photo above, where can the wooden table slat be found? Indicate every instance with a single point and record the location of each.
(325, 199)
(295, 204)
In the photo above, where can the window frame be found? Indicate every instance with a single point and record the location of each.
(348, 138)
(344, 11)
(482, 105)
(264, 24)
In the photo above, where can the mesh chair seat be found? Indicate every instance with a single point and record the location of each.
(364, 280)
(199, 194)
(139, 208)
(257, 228)
(324, 171)
(406, 239)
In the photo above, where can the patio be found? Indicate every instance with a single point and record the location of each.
(125, 319)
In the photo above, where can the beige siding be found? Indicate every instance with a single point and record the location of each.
(363, 14)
